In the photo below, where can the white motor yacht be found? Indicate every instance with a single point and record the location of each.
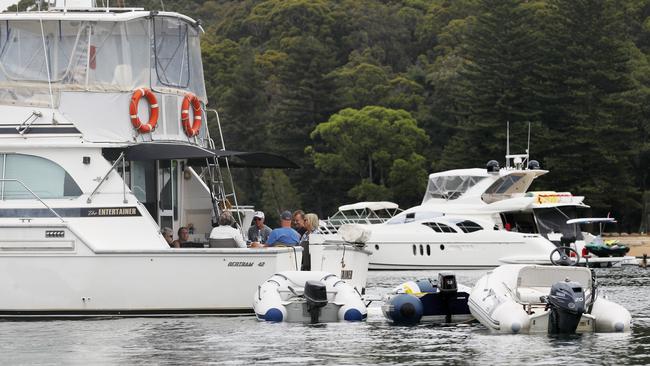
(103, 142)
(501, 196)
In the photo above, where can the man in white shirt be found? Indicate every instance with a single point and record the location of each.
(225, 235)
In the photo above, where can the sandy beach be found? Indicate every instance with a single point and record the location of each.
(639, 244)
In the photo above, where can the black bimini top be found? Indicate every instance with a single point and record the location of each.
(197, 155)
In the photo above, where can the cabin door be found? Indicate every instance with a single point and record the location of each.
(168, 194)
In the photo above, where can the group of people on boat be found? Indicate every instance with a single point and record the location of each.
(294, 229)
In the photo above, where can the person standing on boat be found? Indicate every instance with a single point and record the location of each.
(298, 222)
(284, 235)
(258, 232)
(311, 227)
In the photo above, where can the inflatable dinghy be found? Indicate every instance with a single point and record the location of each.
(441, 301)
(308, 297)
(517, 298)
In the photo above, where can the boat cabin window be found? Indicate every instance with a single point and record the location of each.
(468, 226)
(439, 227)
(450, 187)
(523, 222)
(406, 217)
(43, 177)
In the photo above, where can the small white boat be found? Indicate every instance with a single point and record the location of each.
(308, 296)
(545, 299)
(436, 301)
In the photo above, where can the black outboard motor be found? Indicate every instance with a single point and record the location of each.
(448, 289)
(492, 166)
(567, 304)
(316, 297)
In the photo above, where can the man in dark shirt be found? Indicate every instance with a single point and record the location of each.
(258, 232)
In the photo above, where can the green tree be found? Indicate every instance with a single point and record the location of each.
(499, 55)
(366, 144)
(278, 195)
(588, 105)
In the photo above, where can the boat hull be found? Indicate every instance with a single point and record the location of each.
(153, 283)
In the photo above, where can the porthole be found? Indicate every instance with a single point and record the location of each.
(428, 250)
(376, 246)
(415, 250)
(421, 249)
(442, 247)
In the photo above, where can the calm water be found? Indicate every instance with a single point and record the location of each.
(243, 340)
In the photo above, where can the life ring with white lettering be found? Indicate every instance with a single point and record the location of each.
(153, 110)
(193, 101)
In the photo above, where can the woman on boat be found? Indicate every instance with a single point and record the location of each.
(311, 226)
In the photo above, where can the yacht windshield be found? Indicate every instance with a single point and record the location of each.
(553, 220)
(450, 187)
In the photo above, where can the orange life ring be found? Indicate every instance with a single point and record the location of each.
(153, 110)
(191, 100)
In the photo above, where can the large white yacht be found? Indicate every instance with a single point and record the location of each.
(474, 218)
(501, 196)
(102, 126)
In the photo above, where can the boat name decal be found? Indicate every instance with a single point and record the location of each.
(112, 211)
(240, 264)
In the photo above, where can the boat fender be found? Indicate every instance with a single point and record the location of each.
(191, 100)
(153, 110)
(273, 315)
(405, 309)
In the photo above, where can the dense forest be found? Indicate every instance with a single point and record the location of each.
(370, 96)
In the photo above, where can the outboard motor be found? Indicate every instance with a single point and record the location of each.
(567, 304)
(492, 166)
(316, 297)
(448, 289)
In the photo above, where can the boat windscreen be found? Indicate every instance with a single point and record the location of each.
(553, 220)
(450, 187)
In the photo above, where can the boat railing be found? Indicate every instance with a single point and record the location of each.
(3, 180)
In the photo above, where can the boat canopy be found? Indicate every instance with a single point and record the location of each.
(197, 155)
(374, 206)
(97, 52)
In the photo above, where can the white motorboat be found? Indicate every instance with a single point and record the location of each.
(545, 299)
(501, 196)
(103, 142)
(373, 212)
(436, 301)
(308, 296)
